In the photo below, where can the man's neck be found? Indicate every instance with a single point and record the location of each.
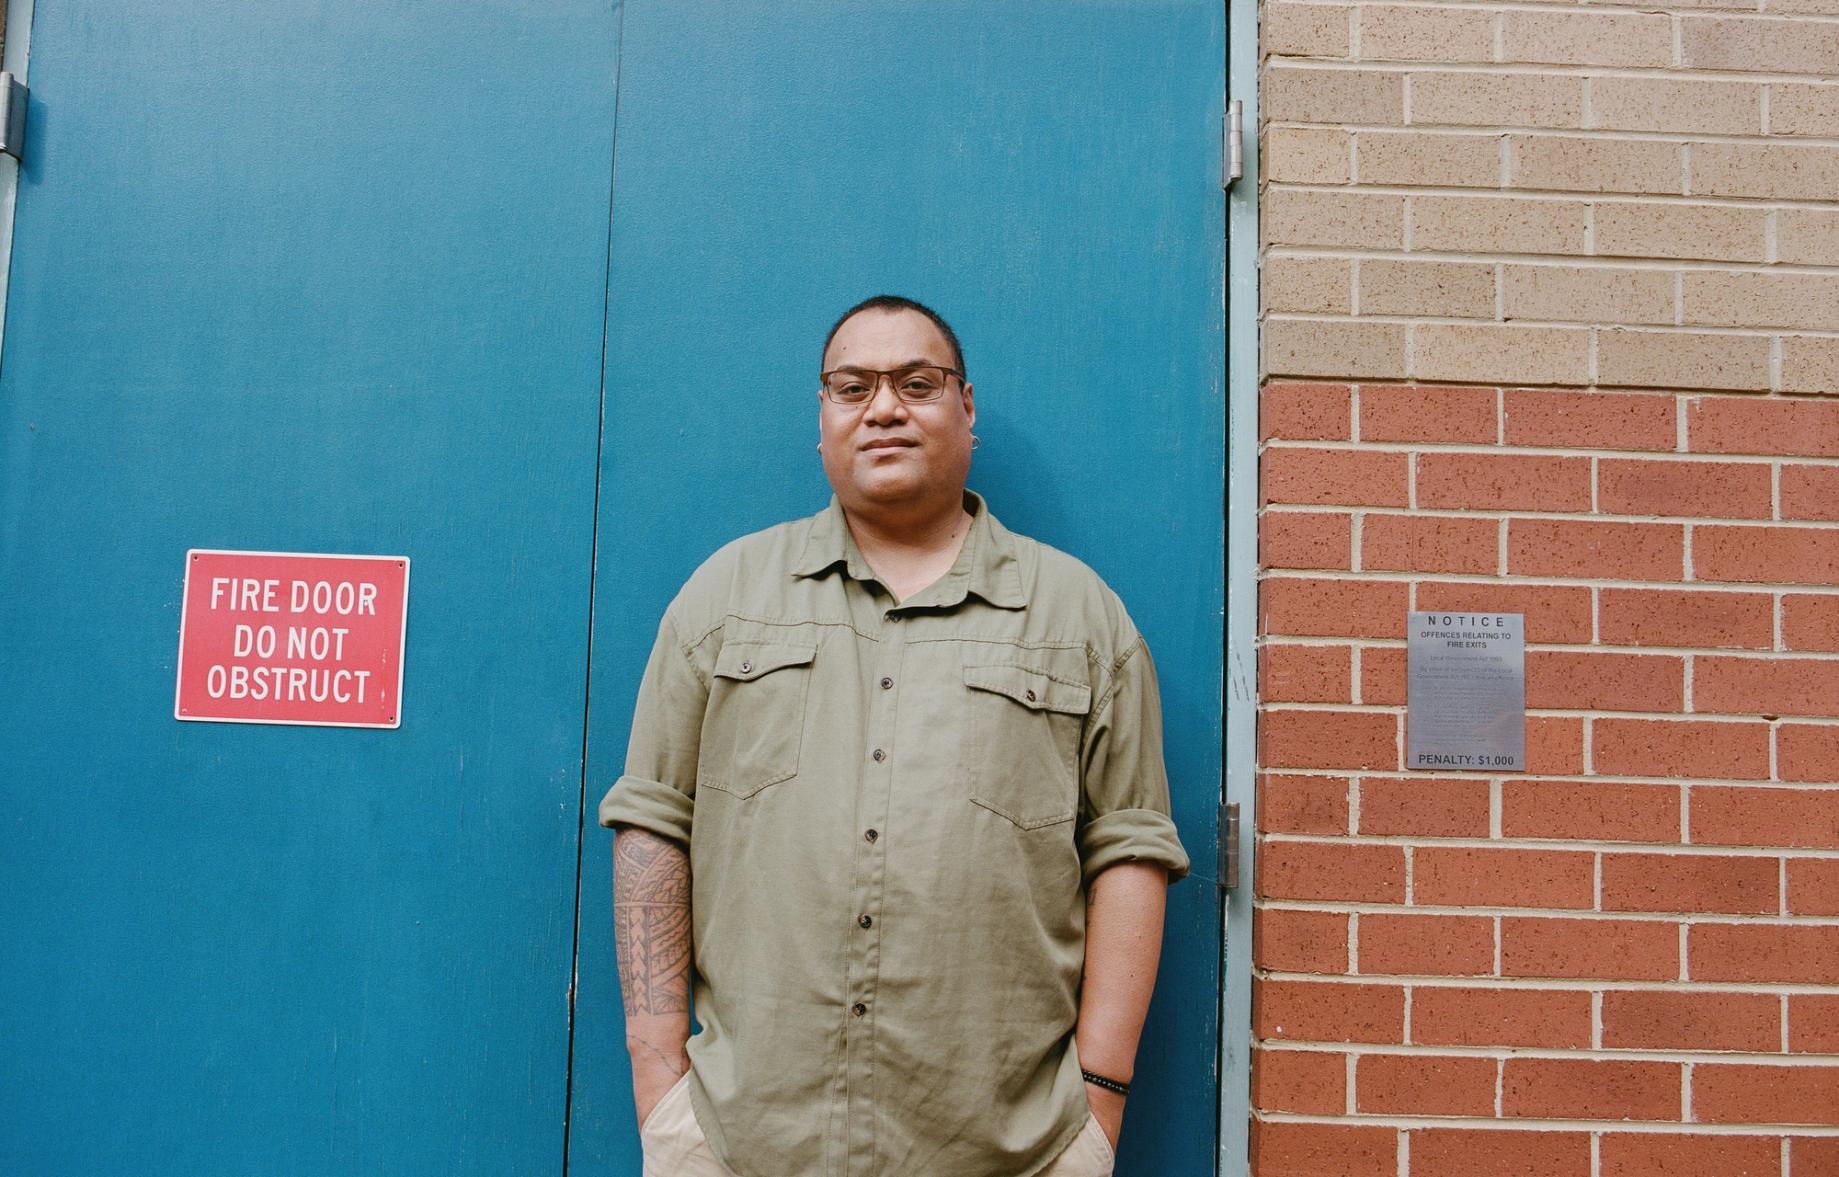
(910, 549)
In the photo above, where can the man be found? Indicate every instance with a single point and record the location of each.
(895, 785)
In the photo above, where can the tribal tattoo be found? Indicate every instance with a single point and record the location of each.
(651, 922)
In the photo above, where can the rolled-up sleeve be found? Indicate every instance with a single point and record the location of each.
(658, 791)
(1125, 789)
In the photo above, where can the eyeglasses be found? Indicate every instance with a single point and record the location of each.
(916, 386)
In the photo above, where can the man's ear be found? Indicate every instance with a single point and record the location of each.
(970, 407)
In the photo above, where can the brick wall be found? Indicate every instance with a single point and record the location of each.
(1551, 325)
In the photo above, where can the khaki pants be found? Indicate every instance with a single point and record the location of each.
(675, 1146)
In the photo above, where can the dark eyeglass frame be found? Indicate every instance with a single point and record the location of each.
(873, 376)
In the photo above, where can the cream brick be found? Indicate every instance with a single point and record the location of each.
(1573, 164)
(1308, 285)
(1808, 236)
(1398, 33)
(1500, 355)
(1367, 220)
(1480, 224)
(1630, 228)
(1307, 155)
(1496, 100)
(1333, 347)
(1779, 172)
(1587, 294)
(1810, 364)
(1363, 97)
(1681, 359)
(1419, 158)
(1661, 104)
(1587, 38)
(1820, 7)
(1775, 45)
(1453, 289)
(1305, 30)
(1749, 298)
(1797, 109)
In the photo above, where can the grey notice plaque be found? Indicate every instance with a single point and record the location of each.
(1465, 707)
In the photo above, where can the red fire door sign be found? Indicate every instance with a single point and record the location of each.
(292, 637)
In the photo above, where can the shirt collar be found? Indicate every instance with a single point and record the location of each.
(986, 564)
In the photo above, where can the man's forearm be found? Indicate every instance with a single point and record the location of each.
(1124, 908)
(651, 933)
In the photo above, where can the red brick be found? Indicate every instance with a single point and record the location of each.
(1474, 1152)
(1423, 1085)
(1283, 1149)
(1579, 680)
(1766, 555)
(1299, 941)
(1813, 1154)
(1810, 492)
(1739, 1093)
(1680, 748)
(1554, 745)
(1427, 945)
(1304, 607)
(1807, 753)
(1450, 1016)
(1616, 950)
(1810, 622)
(1328, 739)
(1305, 412)
(1773, 953)
(1766, 686)
(1658, 1019)
(1424, 807)
(1590, 420)
(1813, 886)
(1686, 617)
(1427, 412)
(1305, 539)
(1586, 1089)
(1570, 547)
(1691, 883)
(1476, 877)
(1554, 613)
(1813, 1023)
(1326, 1011)
(1331, 870)
(1602, 811)
(1768, 426)
(1306, 674)
(1430, 543)
(1302, 804)
(1802, 818)
(1382, 675)
(1669, 1154)
(1312, 1082)
(1720, 490)
(1503, 482)
(1355, 477)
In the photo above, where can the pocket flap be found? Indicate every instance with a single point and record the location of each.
(1030, 687)
(745, 661)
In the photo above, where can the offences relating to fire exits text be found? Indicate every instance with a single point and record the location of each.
(292, 637)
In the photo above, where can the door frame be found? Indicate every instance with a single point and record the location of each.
(16, 26)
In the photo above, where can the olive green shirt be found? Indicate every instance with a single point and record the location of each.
(892, 812)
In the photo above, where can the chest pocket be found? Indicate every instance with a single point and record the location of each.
(1021, 759)
(755, 720)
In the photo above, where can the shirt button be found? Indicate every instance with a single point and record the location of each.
(871, 835)
(866, 920)
(746, 667)
(1031, 696)
(880, 755)
(858, 1009)
(886, 683)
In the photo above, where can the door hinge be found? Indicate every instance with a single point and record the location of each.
(1229, 846)
(12, 115)
(1234, 145)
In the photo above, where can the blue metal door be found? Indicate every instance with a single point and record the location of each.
(1046, 175)
(317, 277)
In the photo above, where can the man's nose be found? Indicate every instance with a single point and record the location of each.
(885, 406)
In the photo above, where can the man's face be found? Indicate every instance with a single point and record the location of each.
(886, 452)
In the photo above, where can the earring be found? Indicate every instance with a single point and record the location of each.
(973, 441)
(820, 447)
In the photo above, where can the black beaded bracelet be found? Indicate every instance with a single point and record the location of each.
(1107, 1084)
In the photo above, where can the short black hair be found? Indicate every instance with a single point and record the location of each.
(894, 302)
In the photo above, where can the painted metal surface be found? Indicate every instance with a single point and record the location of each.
(1047, 175)
(268, 291)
